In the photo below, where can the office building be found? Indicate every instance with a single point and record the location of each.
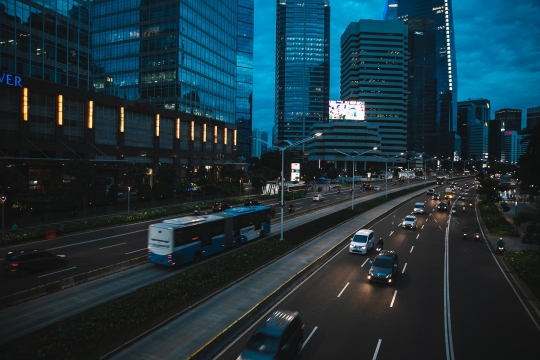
(244, 78)
(495, 133)
(374, 69)
(513, 146)
(533, 117)
(302, 77)
(473, 120)
(432, 108)
(510, 119)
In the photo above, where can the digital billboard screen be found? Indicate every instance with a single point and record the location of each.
(346, 110)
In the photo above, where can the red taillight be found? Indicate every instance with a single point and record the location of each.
(169, 256)
(14, 264)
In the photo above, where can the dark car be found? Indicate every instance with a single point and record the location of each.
(384, 267)
(23, 262)
(219, 206)
(442, 206)
(430, 192)
(280, 336)
(251, 202)
(436, 196)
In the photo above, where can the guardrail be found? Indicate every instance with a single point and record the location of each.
(66, 283)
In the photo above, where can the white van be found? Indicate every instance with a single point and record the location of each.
(418, 208)
(362, 241)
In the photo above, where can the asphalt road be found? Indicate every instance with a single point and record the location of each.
(91, 250)
(451, 300)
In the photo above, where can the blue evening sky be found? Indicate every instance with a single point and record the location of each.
(497, 48)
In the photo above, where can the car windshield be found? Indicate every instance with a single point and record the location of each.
(419, 206)
(360, 239)
(383, 262)
(263, 343)
(409, 218)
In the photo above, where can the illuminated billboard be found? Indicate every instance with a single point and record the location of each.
(295, 172)
(346, 110)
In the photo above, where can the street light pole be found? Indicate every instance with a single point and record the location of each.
(353, 157)
(129, 188)
(3, 200)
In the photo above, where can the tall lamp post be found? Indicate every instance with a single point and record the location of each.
(353, 157)
(129, 188)
(282, 148)
(385, 174)
(425, 168)
(3, 200)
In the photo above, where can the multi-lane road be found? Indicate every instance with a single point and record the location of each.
(452, 299)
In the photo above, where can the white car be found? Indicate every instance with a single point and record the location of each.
(362, 241)
(318, 197)
(418, 208)
(409, 222)
(377, 187)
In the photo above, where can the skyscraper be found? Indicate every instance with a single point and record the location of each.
(432, 119)
(180, 55)
(510, 118)
(302, 67)
(244, 78)
(374, 69)
(473, 121)
(533, 117)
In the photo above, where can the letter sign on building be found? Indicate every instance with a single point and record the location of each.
(10, 79)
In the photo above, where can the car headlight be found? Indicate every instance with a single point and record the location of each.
(388, 276)
(370, 272)
(363, 247)
(239, 357)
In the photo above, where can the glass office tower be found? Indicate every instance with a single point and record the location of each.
(46, 40)
(181, 55)
(244, 79)
(302, 67)
(432, 119)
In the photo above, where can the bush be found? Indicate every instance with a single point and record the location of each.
(527, 266)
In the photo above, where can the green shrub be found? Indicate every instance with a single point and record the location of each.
(527, 266)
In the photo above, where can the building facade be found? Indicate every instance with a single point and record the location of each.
(302, 67)
(495, 133)
(374, 69)
(432, 108)
(533, 117)
(473, 121)
(513, 147)
(510, 119)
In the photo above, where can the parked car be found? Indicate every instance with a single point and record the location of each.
(409, 222)
(362, 241)
(318, 197)
(251, 202)
(384, 267)
(22, 262)
(219, 206)
(280, 336)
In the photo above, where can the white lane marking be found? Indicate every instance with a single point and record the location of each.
(404, 266)
(365, 262)
(131, 252)
(309, 337)
(447, 320)
(392, 223)
(417, 236)
(377, 349)
(435, 220)
(56, 272)
(423, 226)
(298, 208)
(394, 298)
(391, 232)
(106, 247)
(347, 284)
(91, 241)
(411, 250)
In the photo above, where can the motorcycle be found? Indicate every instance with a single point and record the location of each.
(291, 209)
(379, 248)
(453, 210)
(477, 236)
(501, 249)
(464, 235)
(463, 209)
(470, 204)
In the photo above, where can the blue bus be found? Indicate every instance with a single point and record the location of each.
(181, 240)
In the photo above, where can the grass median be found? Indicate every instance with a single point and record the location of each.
(97, 331)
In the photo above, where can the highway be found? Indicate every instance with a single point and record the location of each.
(451, 300)
(91, 250)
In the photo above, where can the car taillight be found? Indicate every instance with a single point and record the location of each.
(14, 264)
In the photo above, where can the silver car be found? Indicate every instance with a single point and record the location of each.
(318, 197)
(409, 222)
(362, 241)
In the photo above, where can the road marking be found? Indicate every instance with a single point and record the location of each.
(56, 272)
(131, 252)
(411, 250)
(365, 262)
(417, 236)
(435, 220)
(394, 298)
(404, 266)
(422, 227)
(91, 241)
(347, 284)
(447, 320)
(309, 337)
(298, 208)
(106, 247)
(391, 232)
(377, 349)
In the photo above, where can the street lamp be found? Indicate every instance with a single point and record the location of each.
(409, 166)
(353, 157)
(3, 200)
(129, 188)
(385, 174)
(282, 148)
(425, 168)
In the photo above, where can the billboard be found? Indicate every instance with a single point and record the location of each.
(295, 172)
(346, 110)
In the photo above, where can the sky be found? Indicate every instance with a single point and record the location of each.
(497, 50)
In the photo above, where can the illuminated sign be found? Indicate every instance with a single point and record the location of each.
(295, 172)
(10, 79)
(346, 110)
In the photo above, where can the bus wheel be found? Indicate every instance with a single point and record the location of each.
(197, 256)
